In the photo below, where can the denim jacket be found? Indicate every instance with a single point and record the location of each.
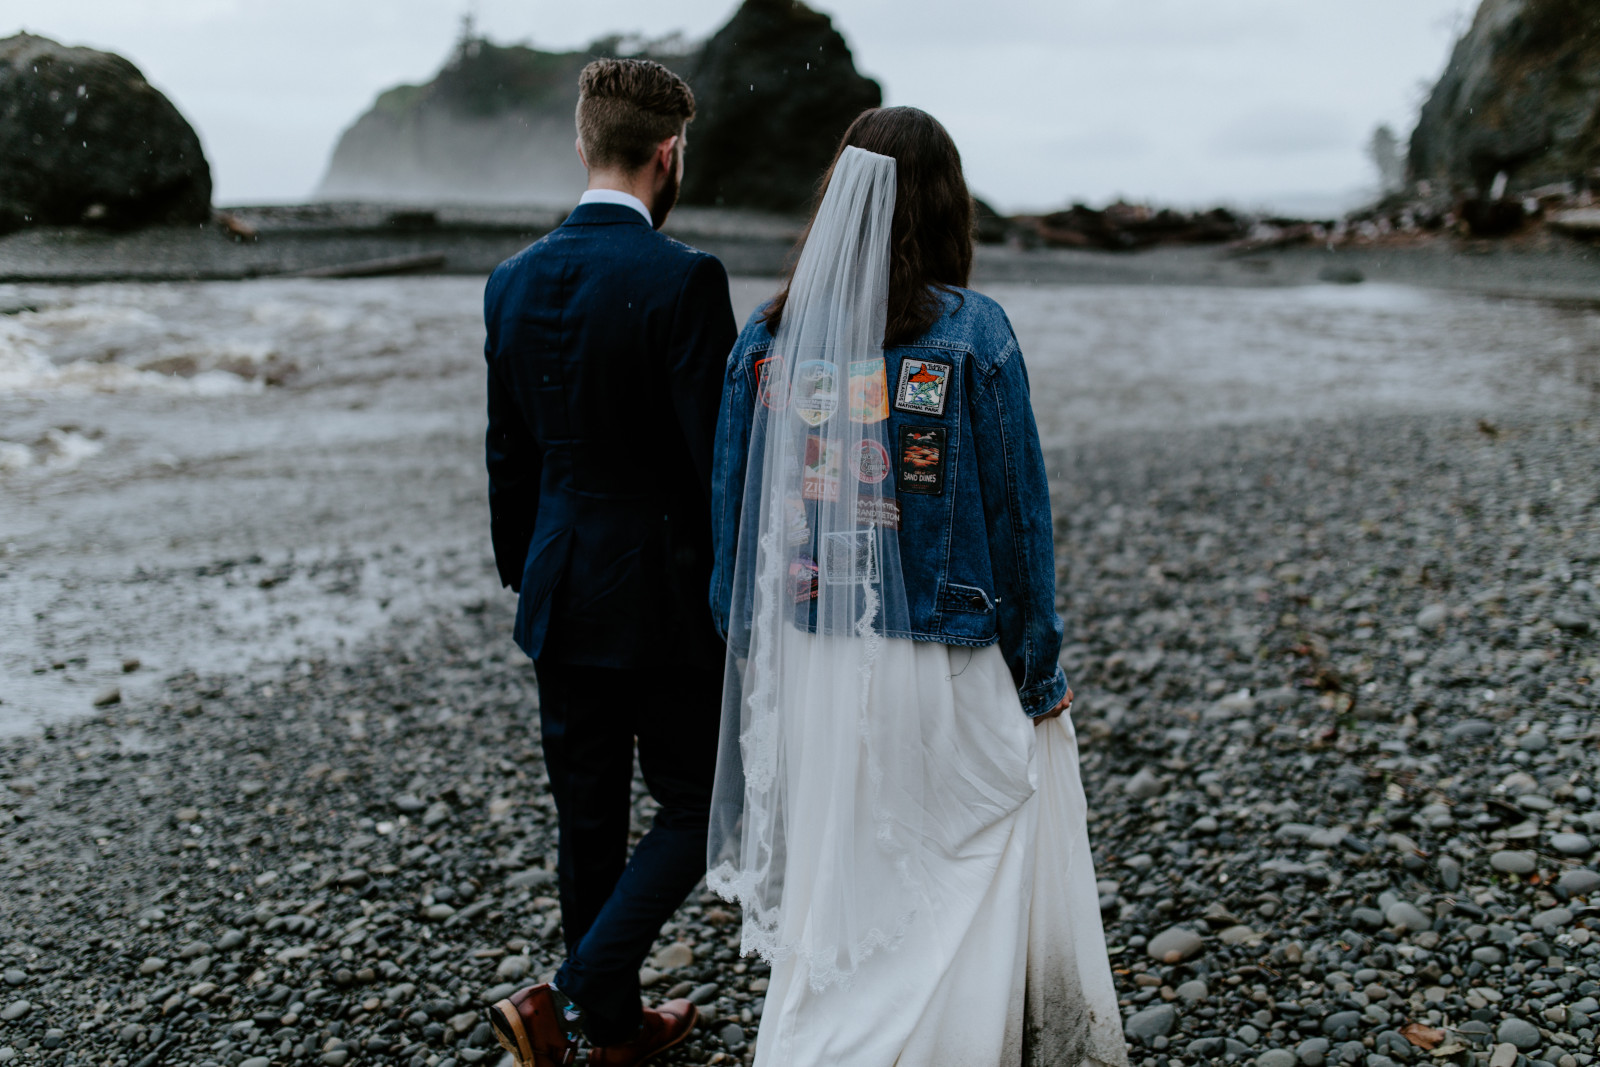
(978, 555)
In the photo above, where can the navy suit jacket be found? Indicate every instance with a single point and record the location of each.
(606, 346)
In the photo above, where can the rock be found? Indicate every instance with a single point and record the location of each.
(1341, 1023)
(1237, 935)
(1370, 918)
(704, 993)
(439, 912)
(1313, 1052)
(1469, 731)
(776, 88)
(732, 1036)
(1432, 617)
(1206, 825)
(1408, 915)
(498, 992)
(87, 138)
(1174, 945)
(152, 965)
(1571, 844)
(230, 940)
(1193, 991)
(1505, 103)
(336, 1057)
(533, 878)
(671, 957)
(1152, 1022)
(15, 1010)
(1519, 1032)
(1503, 1055)
(1514, 862)
(15, 977)
(354, 878)
(513, 967)
(1144, 785)
(1553, 917)
(437, 814)
(1572, 622)
(106, 697)
(1277, 1057)
(256, 1061)
(1580, 881)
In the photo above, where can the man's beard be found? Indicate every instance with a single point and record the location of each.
(665, 200)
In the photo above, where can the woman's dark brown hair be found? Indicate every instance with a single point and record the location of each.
(931, 235)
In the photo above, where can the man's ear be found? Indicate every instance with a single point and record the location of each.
(665, 153)
(581, 157)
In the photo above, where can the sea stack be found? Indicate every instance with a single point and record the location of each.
(84, 138)
(1520, 97)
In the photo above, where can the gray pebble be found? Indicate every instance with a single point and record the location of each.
(1277, 1057)
(533, 878)
(1404, 913)
(1580, 881)
(1313, 1052)
(1248, 1034)
(15, 977)
(1371, 918)
(1341, 1023)
(1519, 1032)
(336, 1057)
(1571, 844)
(257, 1061)
(1488, 955)
(15, 1010)
(1551, 917)
(732, 1036)
(1469, 731)
(1193, 991)
(1449, 873)
(1144, 785)
(703, 994)
(1152, 1022)
(1514, 862)
(1174, 945)
(230, 940)
(1432, 617)
(407, 804)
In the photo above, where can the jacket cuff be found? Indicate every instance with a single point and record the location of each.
(1040, 698)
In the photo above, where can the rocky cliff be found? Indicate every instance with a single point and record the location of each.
(775, 88)
(84, 138)
(1520, 96)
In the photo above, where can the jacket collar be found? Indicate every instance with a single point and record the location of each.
(604, 215)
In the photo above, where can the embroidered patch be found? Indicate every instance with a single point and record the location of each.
(878, 511)
(819, 478)
(796, 530)
(920, 465)
(923, 387)
(869, 391)
(850, 557)
(872, 462)
(816, 391)
(803, 579)
(771, 386)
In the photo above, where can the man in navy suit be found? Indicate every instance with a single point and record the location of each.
(606, 347)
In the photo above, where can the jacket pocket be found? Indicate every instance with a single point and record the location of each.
(965, 598)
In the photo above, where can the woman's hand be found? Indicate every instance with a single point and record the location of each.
(1066, 702)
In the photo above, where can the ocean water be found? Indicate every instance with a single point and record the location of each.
(228, 477)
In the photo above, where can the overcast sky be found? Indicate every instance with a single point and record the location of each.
(1249, 102)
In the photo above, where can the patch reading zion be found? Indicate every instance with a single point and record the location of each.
(919, 467)
(850, 557)
(819, 477)
(869, 391)
(816, 390)
(924, 386)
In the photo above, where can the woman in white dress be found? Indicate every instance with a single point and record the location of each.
(898, 808)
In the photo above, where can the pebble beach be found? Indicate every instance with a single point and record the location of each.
(1337, 702)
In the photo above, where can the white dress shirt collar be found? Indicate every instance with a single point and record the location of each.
(617, 196)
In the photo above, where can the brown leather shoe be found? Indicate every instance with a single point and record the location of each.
(529, 1026)
(664, 1027)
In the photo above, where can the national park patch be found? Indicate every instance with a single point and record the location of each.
(919, 467)
(872, 462)
(924, 386)
(850, 557)
(771, 385)
(816, 390)
(803, 579)
(869, 391)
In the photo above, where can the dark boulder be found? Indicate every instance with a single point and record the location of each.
(775, 88)
(84, 138)
(1521, 96)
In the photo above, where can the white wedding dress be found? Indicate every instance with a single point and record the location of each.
(1004, 960)
(909, 850)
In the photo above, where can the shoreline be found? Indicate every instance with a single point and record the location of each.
(1288, 756)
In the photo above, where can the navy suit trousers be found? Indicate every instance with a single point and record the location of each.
(613, 906)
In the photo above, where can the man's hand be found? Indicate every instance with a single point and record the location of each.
(1066, 702)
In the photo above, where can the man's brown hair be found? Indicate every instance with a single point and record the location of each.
(626, 107)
